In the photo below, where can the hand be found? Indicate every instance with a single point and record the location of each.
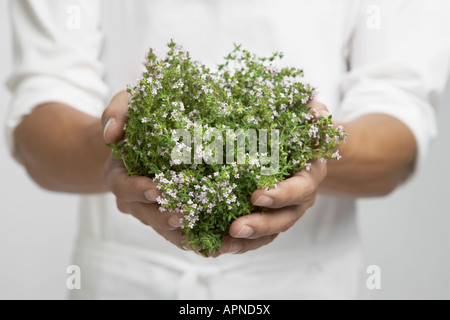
(287, 203)
(137, 195)
(134, 195)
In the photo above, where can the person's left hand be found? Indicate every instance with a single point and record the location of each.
(287, 203)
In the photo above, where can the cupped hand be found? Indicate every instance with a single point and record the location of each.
(135, 195)
(287, 203)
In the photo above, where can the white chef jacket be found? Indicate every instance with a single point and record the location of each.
(365, 57)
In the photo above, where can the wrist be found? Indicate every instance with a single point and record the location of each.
(62, 148)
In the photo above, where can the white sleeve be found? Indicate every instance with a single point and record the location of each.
(399, 61)
(57, 45)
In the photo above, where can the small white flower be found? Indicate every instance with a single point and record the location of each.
(336, 155)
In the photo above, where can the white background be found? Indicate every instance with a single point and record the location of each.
(406, 234)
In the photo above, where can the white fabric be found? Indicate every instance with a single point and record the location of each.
(397, 66)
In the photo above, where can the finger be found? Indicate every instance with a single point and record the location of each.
(126, 188)
(114, 117)
(175, 237)
(258, 225)
(150, 215)
(236, 246)
(319, 109)
(293, 191)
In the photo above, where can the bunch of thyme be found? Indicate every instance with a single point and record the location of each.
(183, 118)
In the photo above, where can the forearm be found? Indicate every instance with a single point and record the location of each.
(62, 149)
(379, 154)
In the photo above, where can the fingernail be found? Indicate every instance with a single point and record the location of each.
(151, 195)
(108, 124)
(263, 201)
(235, 248)
(245, 232)
(175, 222)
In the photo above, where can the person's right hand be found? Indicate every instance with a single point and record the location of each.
(134, 195)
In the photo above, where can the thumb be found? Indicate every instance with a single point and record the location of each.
(319, 109)
(114, 117)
